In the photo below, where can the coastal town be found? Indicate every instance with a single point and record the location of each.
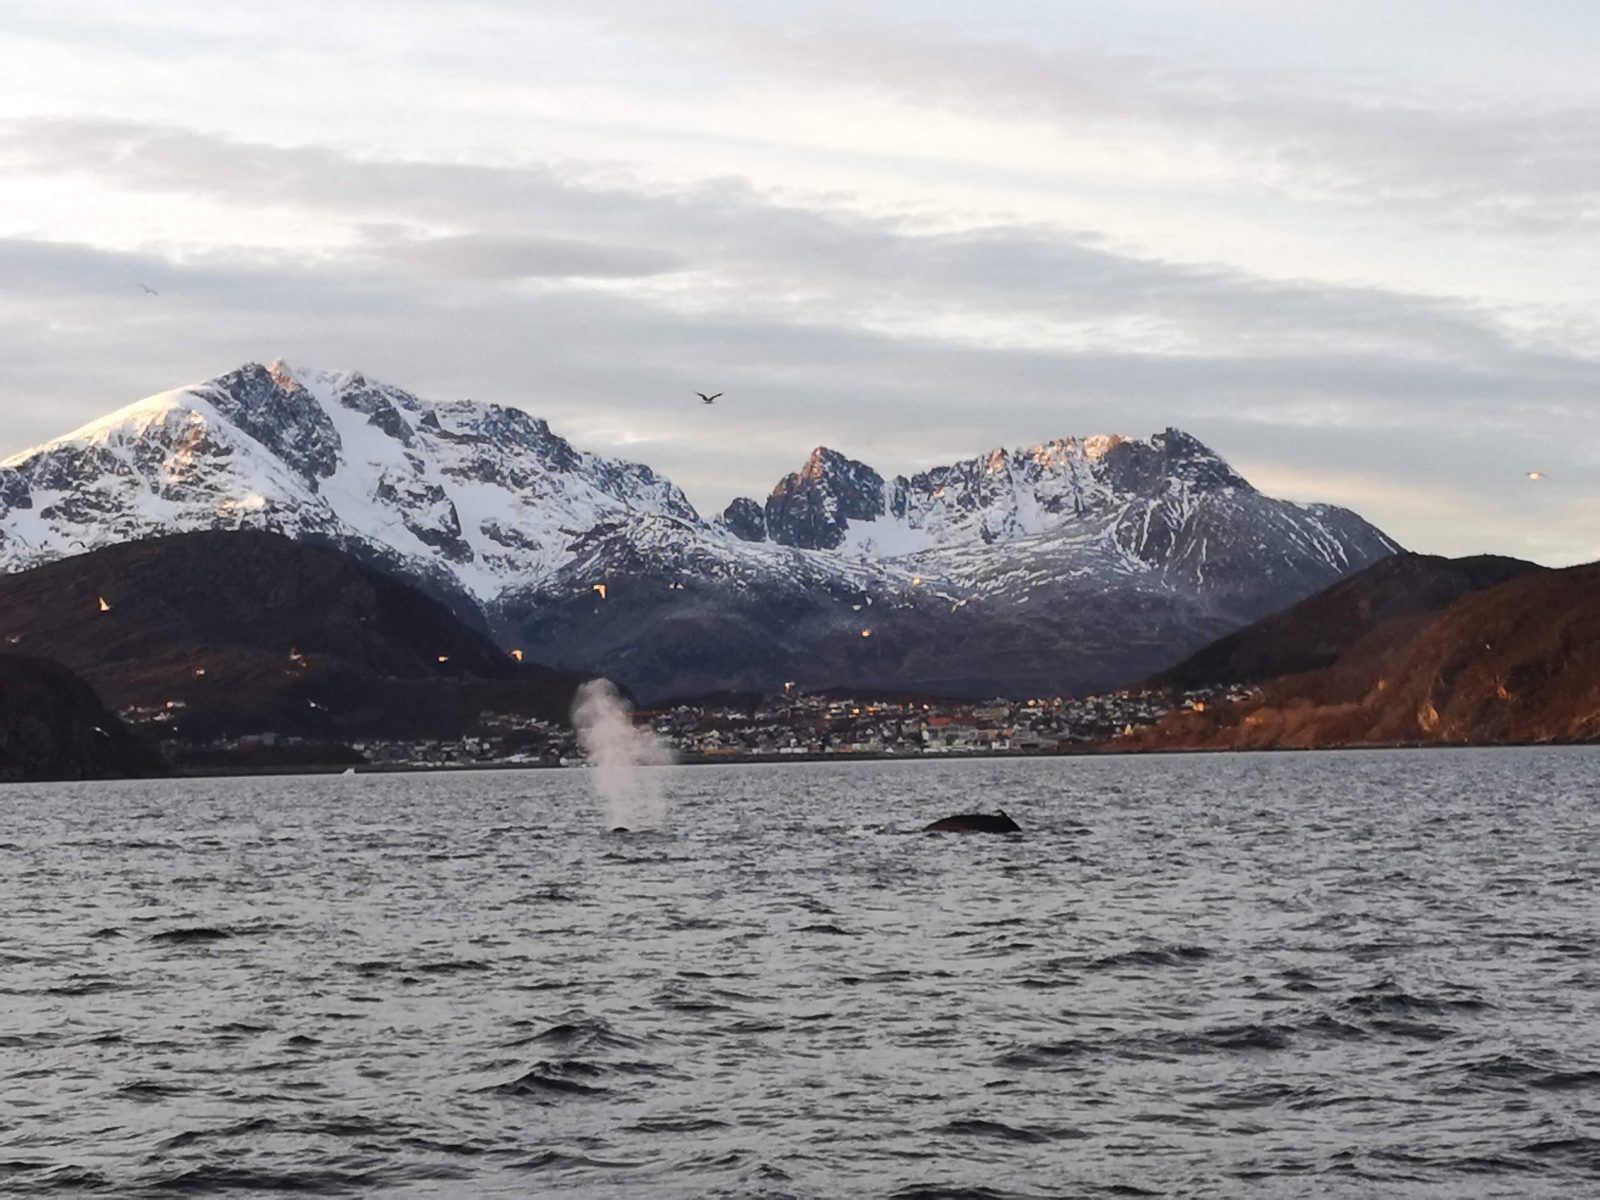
(792, 726)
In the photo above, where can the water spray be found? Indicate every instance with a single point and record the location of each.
(630, 796)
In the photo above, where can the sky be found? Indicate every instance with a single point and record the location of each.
(1350, 245)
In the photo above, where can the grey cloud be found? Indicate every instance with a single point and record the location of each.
(494, 256)
(614, 346)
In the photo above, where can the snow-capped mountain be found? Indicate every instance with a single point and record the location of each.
(1076, 563)
(468, 498)
(1167, 505)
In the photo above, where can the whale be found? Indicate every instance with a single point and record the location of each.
(995, 822)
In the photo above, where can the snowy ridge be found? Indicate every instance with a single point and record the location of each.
(489, 508)
(479, 494)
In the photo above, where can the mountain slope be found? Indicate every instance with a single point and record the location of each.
(1517, 662)
(243, 632)
(1315, 632)
(1073, 564)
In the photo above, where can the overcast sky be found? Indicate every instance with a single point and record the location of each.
(1352, 245)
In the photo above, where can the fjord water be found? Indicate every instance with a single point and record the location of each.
(1279, 975)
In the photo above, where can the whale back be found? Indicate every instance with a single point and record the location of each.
(995, 822)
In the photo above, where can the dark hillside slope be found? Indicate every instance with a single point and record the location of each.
(241, 632)
(53, 726)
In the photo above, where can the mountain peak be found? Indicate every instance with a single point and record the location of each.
(283, 375)
(289, 422)
(746, 520)
(813, 507)
(1186, 457)
(824, 461)
(1098, 445)
(319, 381)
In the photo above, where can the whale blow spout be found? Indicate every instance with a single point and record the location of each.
(995, 822)
(619, 751)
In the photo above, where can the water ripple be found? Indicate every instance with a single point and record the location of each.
(1346, 975)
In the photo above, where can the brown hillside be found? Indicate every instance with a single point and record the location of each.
(1315, 632)
(1515, 663)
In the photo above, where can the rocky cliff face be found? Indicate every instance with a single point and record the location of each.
(813, 508)
(1081, 562)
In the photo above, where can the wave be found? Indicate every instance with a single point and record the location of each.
(945, 1191)
(998, 1131)
(1230, 1039)
(150, 1091)
(1563, 1081)
(1386, 996)
(677, 1125)
(33, 1177)
(550, 1081)
(185, 937)
(1244, 1037)
(1153, 956)
(242, 1027)
(450, 966)
(1577, 1153)
(200, 934)
(558, 1160)
(327, 1181)
(1045, 1054)
(584, 1034)
(192, 1137)
(85, 985)
(679, 998)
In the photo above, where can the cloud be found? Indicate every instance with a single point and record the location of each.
(1527, 166)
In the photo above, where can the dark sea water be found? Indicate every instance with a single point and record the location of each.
(1255, 975)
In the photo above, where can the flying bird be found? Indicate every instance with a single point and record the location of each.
(1535, 475)
(148, 290)
(712, 399)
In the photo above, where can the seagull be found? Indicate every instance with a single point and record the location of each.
(148, 290)
(1536, 475)
(712, 399)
